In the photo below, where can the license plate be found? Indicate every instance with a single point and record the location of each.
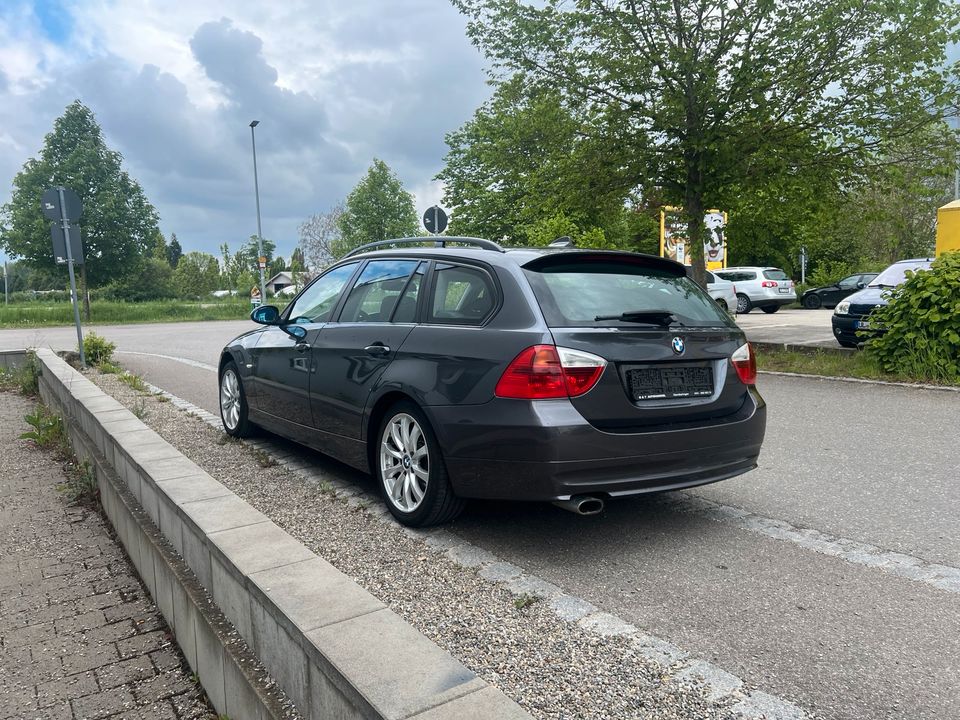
(675, 381)
(784, 290)
(863, 324)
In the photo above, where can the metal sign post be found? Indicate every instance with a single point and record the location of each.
(63, 205)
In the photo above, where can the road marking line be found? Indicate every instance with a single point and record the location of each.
(185, 361)
(942, 577)
(718, 685)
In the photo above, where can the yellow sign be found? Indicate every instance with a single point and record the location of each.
(948, 228)
(673, 237)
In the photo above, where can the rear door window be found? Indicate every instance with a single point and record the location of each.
(376, 293)
(738, 275)
(462, 295)
(576, 294)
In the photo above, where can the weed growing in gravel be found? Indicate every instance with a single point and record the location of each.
(134, 381)
(140, 408)
(108, 368)
(49, 432)
(325, 487)
(23, 379)
(161, 397)
(81, 483)
(525, 601)
(263, 459)
(225, 439)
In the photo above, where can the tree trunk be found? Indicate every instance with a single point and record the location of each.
(693, 208)
(85, 294)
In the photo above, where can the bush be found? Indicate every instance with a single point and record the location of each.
(98, 350)
(828, 273)
(920, 327)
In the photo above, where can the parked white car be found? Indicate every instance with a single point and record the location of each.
(767, 288)
(723, 291)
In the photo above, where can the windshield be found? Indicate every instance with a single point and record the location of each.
(897, 274)
(575, 294)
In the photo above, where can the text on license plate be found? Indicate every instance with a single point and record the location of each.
(670, 382)
(863, 324)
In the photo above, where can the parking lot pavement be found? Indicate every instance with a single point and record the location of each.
(790, 325)
(79, 636)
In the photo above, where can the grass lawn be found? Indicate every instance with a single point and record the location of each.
(103, 312)
(831, 363)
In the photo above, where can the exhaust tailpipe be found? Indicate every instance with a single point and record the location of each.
(582, 504)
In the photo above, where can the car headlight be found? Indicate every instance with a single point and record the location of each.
(842, 308)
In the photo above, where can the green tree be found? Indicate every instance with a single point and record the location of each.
(378, 208)
(708, 88)
(159, 247)
(524, 159)
(152, 281)
(118, 222)
(174, 251)
(251, 253)
(197, 274)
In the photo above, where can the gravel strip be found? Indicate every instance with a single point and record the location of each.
(557, 657)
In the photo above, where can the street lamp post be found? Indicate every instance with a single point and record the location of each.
(256, 189)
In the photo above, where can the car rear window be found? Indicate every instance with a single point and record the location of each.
(775, 275)
(575, 294)
(737, 275)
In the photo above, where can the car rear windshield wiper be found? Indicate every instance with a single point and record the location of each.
(662, 318)
(882, 285)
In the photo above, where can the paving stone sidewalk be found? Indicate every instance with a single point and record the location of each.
(80, 638)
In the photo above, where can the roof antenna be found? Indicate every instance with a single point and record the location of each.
(563, 241)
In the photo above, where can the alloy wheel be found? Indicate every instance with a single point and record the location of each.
(404, 462)
(230, 399)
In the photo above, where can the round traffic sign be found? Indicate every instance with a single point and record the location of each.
(435, 220)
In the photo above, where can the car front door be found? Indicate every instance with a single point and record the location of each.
(351, 353)
(283, 365)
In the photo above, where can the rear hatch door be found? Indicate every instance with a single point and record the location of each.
(666, 342)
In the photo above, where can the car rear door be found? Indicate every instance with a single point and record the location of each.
(656, 374)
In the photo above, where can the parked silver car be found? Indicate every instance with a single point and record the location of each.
(723, 291)
(767, 288)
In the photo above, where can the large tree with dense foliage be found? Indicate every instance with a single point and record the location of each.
(709, 87)
(119, 224)
(378, 208)
(525, 167)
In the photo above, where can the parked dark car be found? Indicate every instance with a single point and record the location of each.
(549, 374)
(829, 295)
(850, 318)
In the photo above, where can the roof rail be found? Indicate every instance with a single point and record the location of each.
(437, 240)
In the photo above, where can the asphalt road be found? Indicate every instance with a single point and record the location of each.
(789, 325)
(863, 463)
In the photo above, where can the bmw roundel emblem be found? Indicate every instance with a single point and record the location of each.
(678, 346)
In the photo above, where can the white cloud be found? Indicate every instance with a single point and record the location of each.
(174, 86)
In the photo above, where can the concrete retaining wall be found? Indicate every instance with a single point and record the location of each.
(236, 589)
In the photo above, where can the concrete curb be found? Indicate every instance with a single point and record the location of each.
(236, 588)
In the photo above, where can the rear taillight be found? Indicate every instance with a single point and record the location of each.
(745, 363)
(542, 372)
(768, 283)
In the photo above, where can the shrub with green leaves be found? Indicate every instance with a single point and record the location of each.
(920, 327)
(98, 350)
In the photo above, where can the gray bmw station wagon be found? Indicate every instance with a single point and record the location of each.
(464, 370)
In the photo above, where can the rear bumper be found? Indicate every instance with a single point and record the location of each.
(519, 450)
(770, 300)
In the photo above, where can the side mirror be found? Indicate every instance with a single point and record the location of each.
(265, 315)
(861, 285)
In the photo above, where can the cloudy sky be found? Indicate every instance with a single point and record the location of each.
(175, 84)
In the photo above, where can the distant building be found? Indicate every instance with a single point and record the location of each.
(284, 279)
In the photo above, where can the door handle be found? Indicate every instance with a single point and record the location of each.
(377, 350)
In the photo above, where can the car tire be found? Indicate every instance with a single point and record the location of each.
(812, 302)
(407, 463)
(233, 403)
(743, 304)
(723, 304)
(770, 309)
